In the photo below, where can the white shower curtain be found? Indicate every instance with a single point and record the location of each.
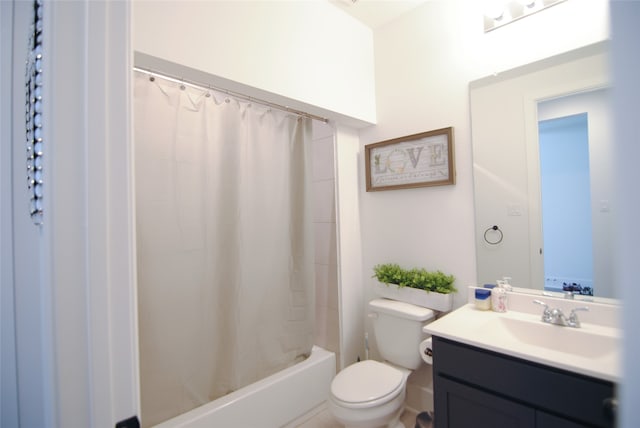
(224, 241)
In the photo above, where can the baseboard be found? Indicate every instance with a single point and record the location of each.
(419, 398)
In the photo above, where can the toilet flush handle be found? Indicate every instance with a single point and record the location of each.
(373, 315)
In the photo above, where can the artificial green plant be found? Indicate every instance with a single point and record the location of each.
(392, 273)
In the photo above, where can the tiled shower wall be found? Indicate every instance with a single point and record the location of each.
(326, 255)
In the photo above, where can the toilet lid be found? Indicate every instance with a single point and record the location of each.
(365, 381)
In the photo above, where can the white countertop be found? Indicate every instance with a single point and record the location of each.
(484, 329)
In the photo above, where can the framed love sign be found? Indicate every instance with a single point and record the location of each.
(418, 160)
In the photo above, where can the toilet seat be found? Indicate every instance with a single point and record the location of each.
(368, 383)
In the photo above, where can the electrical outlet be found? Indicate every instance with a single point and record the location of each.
(514, 210)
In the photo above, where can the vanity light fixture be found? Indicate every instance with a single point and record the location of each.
(500, 13)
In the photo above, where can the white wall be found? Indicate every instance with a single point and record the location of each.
(8, 376)
(276, 46)
(626, 93)
(351, 285)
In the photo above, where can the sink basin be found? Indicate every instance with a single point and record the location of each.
(579, 342)
(591, 350)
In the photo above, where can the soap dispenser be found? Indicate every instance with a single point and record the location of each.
(499, 297)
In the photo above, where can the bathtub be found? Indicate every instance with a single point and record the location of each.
(271, 402)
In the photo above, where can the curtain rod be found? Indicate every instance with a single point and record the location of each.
(234, 94)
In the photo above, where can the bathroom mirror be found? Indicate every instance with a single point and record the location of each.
(515, 225)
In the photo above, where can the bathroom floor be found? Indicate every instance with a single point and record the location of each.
(324, 419)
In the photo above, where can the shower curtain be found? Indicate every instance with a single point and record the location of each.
(224, 243)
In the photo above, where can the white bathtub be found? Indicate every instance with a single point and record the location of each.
(271, 402)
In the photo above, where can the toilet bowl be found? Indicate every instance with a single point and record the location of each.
(369, 394)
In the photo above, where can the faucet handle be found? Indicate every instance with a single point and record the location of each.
(540, 302)
(546, 314)
(573, 317)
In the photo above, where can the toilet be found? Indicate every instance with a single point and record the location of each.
(369, 393)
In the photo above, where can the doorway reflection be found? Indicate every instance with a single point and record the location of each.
(576, 192)
(566, 204)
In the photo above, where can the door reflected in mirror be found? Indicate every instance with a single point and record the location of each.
(575, 193)
(566, 204)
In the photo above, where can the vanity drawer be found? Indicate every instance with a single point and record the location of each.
(545, 389)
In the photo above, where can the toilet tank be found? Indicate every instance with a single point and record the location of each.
(397, 327)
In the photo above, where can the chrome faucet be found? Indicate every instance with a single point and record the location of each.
(557, 317)
(546, 314)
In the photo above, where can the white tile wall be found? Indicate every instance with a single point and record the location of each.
(326, 257)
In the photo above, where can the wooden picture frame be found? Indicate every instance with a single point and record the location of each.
(419, 160)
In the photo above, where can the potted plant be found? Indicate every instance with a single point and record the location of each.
(418, 286)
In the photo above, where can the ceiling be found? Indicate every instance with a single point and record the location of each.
(375, 13)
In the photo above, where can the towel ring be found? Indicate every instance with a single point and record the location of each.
(499, 233)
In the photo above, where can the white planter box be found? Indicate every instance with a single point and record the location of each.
(436, 301)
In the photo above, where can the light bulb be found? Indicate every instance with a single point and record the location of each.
(495, 9)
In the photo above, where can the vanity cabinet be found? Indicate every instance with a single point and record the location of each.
(477, 388)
